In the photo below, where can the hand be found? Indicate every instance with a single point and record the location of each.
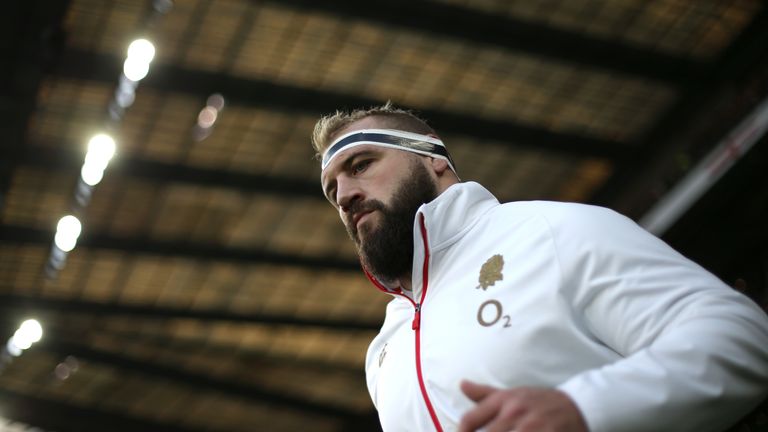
(522, 409)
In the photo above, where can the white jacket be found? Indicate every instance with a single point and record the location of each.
(641, 338)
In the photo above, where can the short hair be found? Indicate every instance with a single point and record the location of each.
(391, 117)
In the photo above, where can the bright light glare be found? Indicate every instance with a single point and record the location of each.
(216, 100)
(28, 333)
(12, 348)
(61, 371)
(65, 243)
(125, 97)
(69, 225)
(67, 232)
(31, 330)
(91, 174)
(140, 54)
(134, 69)
(207, 117)
(141, 50)
(101, 148)
(20, 341)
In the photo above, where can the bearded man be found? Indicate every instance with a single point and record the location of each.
(528, 316)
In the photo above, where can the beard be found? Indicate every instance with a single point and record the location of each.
(387, 251)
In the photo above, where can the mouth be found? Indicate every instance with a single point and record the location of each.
(359, 217)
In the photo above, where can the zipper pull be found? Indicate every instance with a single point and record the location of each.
(416, 318)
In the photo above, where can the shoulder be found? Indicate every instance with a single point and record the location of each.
(556, 210)
(564, 215)
(580, 227)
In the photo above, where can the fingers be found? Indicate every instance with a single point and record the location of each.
(475, 391)
(479, 416)
(490, 411)
(523, 409)
(510, 417)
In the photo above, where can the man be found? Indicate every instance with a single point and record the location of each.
(528, 316)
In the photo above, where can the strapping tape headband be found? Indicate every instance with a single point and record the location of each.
(412, 142)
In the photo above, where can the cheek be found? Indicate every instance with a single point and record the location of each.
(393, 189)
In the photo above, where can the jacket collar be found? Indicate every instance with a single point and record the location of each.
(446, 218)
(449, 216)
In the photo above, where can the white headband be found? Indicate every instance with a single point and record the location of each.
(412, 142)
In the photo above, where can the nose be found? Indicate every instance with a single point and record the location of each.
(348, 192)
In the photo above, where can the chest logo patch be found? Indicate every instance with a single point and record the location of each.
(491, 272)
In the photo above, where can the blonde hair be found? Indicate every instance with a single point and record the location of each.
(388, 117)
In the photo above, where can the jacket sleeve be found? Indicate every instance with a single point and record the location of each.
(694, 351)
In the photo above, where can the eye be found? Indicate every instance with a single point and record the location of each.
(359, 167)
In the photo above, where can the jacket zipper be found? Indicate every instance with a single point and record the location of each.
(416, 323)
(416, 326)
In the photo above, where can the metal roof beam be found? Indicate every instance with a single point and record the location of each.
(36, 304)
(196, 345)
(261, 93)
(214, 252)
(731, 84)
(55, 158)
(502, 30)
(191, 379)
(63, 416)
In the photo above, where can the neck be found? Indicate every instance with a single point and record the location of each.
(405, 282)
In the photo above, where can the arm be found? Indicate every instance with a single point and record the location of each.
(695, 351)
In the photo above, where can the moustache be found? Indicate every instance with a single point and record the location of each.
(362, 207)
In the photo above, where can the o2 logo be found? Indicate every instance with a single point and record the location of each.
(491, 313)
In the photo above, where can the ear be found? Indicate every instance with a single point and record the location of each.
(439, 166)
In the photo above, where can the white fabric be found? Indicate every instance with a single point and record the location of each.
(391, 132)
(641, 338)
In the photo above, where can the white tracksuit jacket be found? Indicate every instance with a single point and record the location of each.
(641, 338)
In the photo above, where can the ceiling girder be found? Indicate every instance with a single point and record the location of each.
(639, 173)
(498, 29)
(195, 380)
(63, 416)
(213, 252)
(37, 304)
(53, 158)
(267, 94)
